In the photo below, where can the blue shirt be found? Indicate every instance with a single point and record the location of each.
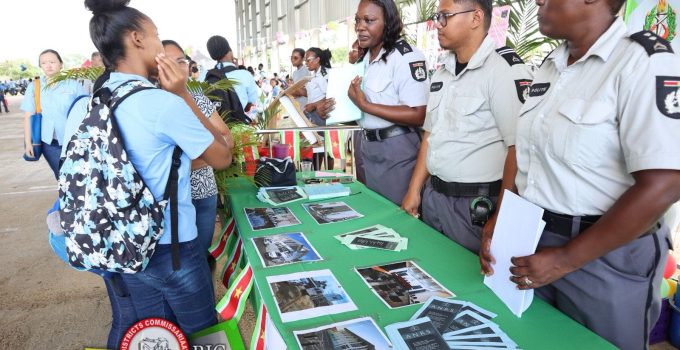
(54, 102)
(246, 89)
(152, 122)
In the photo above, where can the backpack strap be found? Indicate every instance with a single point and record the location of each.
(171, 194)
(74, 103)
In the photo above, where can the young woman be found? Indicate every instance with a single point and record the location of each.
(318, 63)
(393, 97)
(152, 122)
(54, 103)
(203, 186)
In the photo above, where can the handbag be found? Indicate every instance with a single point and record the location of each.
(273, 172)
(36, 125)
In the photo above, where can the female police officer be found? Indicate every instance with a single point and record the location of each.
(393, 99)
(597, 149)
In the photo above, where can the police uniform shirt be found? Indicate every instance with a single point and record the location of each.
(472, 116)
(402, 80)
(298, 75)
(317, 86)
(586, 127)
(54, 102)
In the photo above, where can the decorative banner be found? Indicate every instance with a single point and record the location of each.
(500, 21)
(257, 342)
(658, 16)
(335, 144)
(292, 138)
(220, 247)
(232, 263)
(233, 303)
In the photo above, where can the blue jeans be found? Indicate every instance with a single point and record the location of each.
(122, 309)
(206, 211)
(52, 153)
(185, 296)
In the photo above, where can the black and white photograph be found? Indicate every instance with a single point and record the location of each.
(283, 249)
(310, 294)
(360, 333)
(418, 334)
(264, 218)
(326, 213)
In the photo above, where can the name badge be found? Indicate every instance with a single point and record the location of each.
(436, 86)
(538, 89)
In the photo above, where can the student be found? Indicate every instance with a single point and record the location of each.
(392, 95)
(597, 143)
(318, 64)
(246, 89)
(470, 125)
(54, 103)
(203, 185)
(152, 122)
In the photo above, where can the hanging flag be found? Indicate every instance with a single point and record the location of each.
(292, 138)
(257, 341)
(335, 144)
(232, 263)
(220, 247)
(234, 302)
(657, 16)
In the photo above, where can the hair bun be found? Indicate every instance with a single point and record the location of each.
(102, 6)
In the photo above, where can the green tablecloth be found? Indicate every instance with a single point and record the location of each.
(541, 327)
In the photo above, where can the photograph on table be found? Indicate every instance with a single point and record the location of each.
(443, 313)
(310, 294)
(284, 249)
(402, 283)
(326, 213)
(360, 333)
(418, 334)
(264, 218)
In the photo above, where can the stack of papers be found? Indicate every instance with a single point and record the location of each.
(376, 236)
(449, 324)
(315, 192)
(280, 195)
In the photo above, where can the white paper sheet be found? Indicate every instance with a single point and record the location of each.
(339, 80)
(518, 229)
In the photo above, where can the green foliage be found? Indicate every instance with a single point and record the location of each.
(339, 56)
(523, 34)
(424, 9)
(202, 87)
(11, 69)
(671, 23)
(91, 73)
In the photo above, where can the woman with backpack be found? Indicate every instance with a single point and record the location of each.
(54, 103)
(152, 123)
(203, 185)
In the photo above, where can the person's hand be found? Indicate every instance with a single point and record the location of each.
(29, 150)
(310, 107)
(411, 202)
(485, 257)
(540, 269)
(355, 93)
(172, 77)
(324, 107)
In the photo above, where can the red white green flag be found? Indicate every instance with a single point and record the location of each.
(335, 144)
(232, 263)
(257, 341)
(234, 302)
(292, 138)
(220, 247)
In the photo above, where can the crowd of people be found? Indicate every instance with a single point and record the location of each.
(590, 136)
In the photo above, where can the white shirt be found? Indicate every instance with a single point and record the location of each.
(472, 116)
(317, 86)
(401, 81)
(586, 127)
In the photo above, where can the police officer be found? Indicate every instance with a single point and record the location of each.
(597, 148)
(393, 98)
(470, 124)
(297, 59)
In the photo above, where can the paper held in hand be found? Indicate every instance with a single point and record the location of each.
(339, 80)
(518, 229)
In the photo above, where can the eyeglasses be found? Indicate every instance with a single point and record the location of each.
(310, 59)
(441, 18)
(183, 61)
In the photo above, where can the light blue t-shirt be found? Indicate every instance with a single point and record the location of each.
(246, 89)
(152, 122)
(54, 102)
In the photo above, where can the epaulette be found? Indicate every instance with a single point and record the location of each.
(545, 58)
(509, 55)
(403, 47)
(652, 42)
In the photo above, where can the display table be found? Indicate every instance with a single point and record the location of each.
(541, 327)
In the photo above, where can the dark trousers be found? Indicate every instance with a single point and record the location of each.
(52, 153)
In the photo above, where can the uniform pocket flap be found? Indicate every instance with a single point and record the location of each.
(581, 111)
(468, 105)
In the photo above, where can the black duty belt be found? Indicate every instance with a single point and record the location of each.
(457, 189)
(563, 225)
(385, 133)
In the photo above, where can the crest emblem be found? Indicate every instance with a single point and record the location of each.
(418, 71)
(523, 86)
(668, 96)
(661, 20)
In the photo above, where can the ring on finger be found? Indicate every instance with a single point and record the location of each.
(527, 281)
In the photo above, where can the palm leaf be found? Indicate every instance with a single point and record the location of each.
(523, 33)
(205, 88)
(90, 73)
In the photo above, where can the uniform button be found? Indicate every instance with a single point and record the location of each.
(531, 182)
(533, 148)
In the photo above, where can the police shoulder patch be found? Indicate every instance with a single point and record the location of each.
(668, 96)
(403, 47)
(509, 55)
(523, 86)
(652, 42)
(418, 70)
